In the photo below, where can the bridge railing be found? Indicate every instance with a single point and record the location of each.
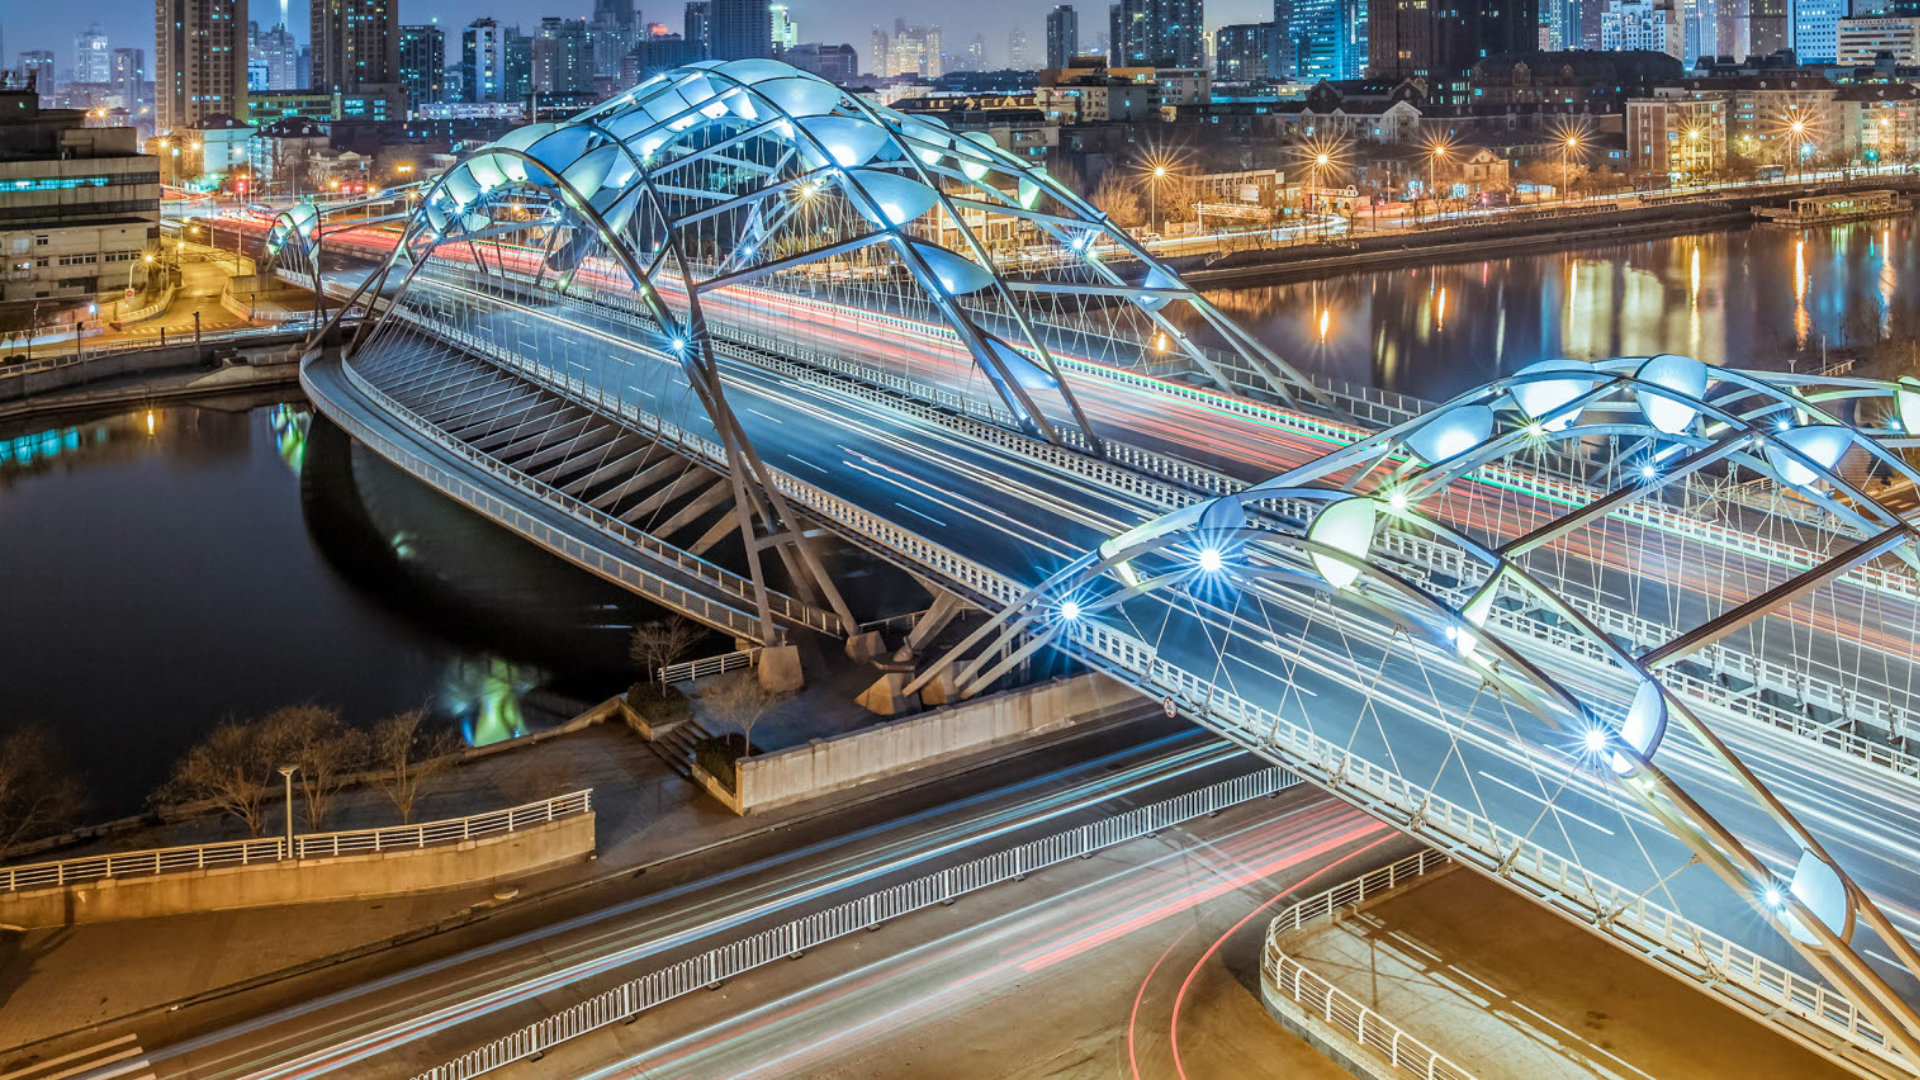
(1290, 979)
(852, 916)
(326, 845)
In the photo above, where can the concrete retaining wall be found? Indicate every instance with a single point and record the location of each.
(828, 765)
(346, 877)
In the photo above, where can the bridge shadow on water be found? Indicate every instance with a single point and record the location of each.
(528, 618)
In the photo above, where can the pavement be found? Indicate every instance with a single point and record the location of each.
(1510, 991)
(59, 988)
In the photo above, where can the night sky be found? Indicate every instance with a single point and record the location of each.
(129, 23)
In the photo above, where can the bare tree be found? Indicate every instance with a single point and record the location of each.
(1120, 198)
(740, 700)
(232, 768)
(323, 747)
(405, 755)
(38, 795)
(662, 642)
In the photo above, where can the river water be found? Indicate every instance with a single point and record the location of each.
(162, 569)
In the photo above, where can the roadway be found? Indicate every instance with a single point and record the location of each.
(425, 1001)
(1024, 520)
(1140, 962)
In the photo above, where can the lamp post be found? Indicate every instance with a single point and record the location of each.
(286, 773)
(1320, 161)
(1439, 152)
(1566, 167)
(1799, 128)
(1153, 199)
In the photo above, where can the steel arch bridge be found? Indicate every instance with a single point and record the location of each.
(1593, 628)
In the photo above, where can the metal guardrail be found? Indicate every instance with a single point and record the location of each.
(707, 666)
(1294, 981)
(861, 913)
(326, 845)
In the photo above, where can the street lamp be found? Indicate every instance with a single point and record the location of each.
(1153, 199)
(286, 773)
(1566, 168)
(1439, 151)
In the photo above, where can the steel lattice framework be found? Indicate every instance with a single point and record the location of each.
(1532, 573)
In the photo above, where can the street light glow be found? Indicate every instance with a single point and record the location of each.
(1210, 559)
(1069, 610)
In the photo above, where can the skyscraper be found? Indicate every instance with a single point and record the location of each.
(129, 77)
(562, 57)
(200, 62)
(913, 50)
(1157, 33)
(786, 32)
(275, 50)
(740, 30)
(1245, 52)
(698, 22)
(36, 65)
(356, 45)
(92, 60)
(483, 61)
(614, 32)
(1816, 28)
(1417, 39)
(423, 64)
(1651, 25)
(1329, 38)
(1063, 35)
(517, 49)
(1016, 51)
(1768, 28)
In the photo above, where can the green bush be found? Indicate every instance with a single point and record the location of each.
(657, 704)
(717, 753)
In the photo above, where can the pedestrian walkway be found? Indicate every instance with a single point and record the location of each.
(1510, 991)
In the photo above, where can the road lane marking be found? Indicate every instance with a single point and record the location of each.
(917, 513)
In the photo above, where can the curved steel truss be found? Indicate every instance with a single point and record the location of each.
(1554, 605)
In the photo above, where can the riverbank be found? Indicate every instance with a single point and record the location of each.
(1505, 234)
(143, 376)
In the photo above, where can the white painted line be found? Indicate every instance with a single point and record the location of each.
(917, 513)
(808, 464)
(1536, 798)
(1888, 960)
(764, 416)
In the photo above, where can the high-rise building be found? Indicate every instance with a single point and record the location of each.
(129, 77)
(517, 49)
(1063, 36)
(786, 32)
(698, 22)
(562, 57)
(423, 64)
(1862, 41)
(1816, 28)
(1245, 52)
(483, 62)
(200, 62)
(614, 32)
(1329, 38)
(834, 63)
(1017, 59)
(739, 30)
(36, 66)
(1642, 25)
(912, 50)
(92, 60)
(1768, 27)
(274, 53)
(356, 45)
(1416, 39)
(1157, 33)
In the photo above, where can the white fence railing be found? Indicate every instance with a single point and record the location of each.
(1293, 981)
(861, 913)
(688, 670)
(310, 846)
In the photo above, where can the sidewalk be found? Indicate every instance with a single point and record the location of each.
(1510, 991)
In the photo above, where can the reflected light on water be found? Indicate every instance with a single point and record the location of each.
(1802, 319)
(149, 421)
(1693, 280)
(484, 696)
(1440, 310)
(1326, 323)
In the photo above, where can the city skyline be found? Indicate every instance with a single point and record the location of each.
(829, 23)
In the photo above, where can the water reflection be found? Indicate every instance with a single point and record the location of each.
(164, 569)
(1759, 297)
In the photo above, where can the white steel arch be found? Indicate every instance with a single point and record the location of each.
(1482, 541)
